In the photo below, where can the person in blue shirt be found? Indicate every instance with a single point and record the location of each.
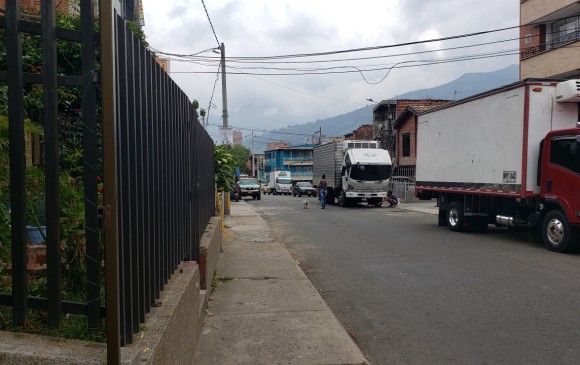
(322, 186)
(392, 199)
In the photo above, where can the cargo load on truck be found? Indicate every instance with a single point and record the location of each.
(356, 171)
(508, 157)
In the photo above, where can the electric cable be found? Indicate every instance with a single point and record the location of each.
(210, 23)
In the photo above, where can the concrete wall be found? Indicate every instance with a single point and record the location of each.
(210, 249)
(555, 63)
(532, 10)
(169, 335)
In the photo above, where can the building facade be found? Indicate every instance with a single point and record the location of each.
(364, 132)
(238, 138)
(297, 160)
(387, 112)
(550, 39)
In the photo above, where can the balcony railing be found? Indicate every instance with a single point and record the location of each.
(294, 160)
(553, 44)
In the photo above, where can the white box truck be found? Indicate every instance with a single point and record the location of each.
(509, 157)
(280, 182)
(356, 171)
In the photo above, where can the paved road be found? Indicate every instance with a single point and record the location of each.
(410, 292)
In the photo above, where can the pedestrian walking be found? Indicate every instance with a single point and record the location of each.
(322, 185)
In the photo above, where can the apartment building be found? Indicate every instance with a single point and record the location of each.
(297, 160)
(550, 39)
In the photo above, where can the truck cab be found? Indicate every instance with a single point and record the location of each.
(559, 181)
(365, 176)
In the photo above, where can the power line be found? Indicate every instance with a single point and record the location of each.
(357, 70)
(217, 76)
(210, 23)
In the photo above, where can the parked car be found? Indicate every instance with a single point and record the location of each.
(249, 186)
(304, 188)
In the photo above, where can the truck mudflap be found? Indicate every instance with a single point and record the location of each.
(366, 194)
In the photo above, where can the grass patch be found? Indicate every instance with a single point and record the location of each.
(72, 326)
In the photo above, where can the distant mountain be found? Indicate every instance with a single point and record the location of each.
(467, 85)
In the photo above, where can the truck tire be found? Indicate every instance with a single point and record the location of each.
(342, 199)
(455, 219)
(442, 218)
(558, 235)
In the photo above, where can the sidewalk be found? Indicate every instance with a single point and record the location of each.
(264, 310)
(425, 206)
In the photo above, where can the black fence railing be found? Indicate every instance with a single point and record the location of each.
(165, 182)
(20, 80)
(154, 156)
(555, 43)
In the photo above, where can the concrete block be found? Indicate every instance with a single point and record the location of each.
(209, 251)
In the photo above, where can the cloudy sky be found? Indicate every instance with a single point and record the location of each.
(312, 87)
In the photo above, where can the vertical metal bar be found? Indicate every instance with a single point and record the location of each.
(145, 82)
(158, 127)
(124, 197)
(163, 185)
(17, 162)
(108, 35)
(152, 178)
(133, 181)
(51, 163)
(89, 118)
(139, 52)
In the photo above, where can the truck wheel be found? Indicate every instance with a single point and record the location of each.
(342, 199)
(442, 218)
(455, 220)
(558, 235)
(379, 203)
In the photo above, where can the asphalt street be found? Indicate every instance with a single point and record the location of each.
(410, 292)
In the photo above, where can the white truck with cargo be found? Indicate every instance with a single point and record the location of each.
(280, 182)
(355, 171)
(508, 157)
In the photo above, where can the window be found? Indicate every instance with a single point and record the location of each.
(370, 172)
(564, 152)
(528, 39)
(564, 31)
(406, 144)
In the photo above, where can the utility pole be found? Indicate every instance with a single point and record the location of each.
(253, 167)
(226, 199)
(224, 90)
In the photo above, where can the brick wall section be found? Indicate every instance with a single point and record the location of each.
(537, 34)
(409, 125)
(33, 6)
(364, 132)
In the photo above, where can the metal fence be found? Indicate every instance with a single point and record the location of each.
(402, 183)
(157, 164)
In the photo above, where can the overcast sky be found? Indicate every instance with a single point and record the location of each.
(263, 28)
